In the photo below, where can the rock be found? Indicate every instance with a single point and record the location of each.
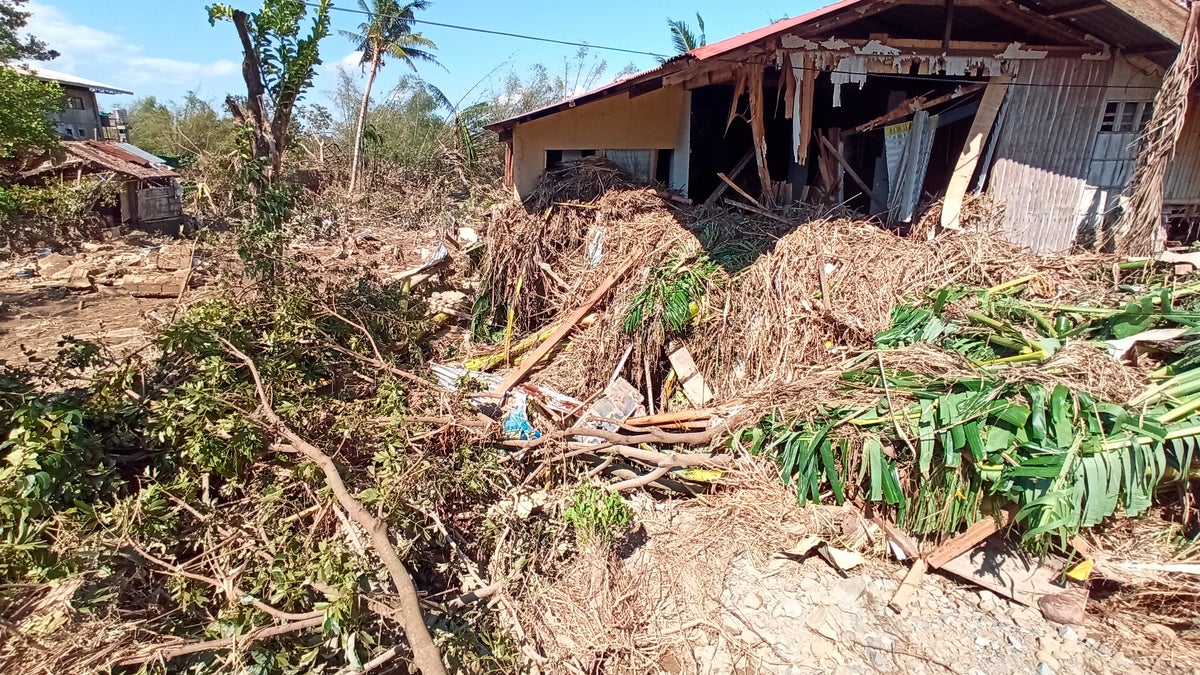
(731, 624)
(1047, 644)
(80, 279)
(1066, 607)
(848, 591)
(1158, 631)
(810, 586)
(982, 642)
(53, 264)
(880, 660)
(1044, 669)
(1047, 659)
(1067, 633)
(752, 600)
(986, 605)
(792, 608)
(820, 649)
(1015, 643)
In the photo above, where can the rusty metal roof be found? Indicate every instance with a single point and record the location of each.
(103, 156)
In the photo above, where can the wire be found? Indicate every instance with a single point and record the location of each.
(488, 31)
(569, 43)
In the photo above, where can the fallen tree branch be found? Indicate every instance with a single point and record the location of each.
(167, 653)
(229, 590)
(426, 656)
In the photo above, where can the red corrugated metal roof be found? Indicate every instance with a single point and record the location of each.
(748, 38)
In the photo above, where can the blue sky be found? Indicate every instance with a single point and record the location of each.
(165, 48)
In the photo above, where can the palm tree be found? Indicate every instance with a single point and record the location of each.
(386, 32)
(682, 37)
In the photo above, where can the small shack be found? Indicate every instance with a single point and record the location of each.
(885, 104)
(151, 195)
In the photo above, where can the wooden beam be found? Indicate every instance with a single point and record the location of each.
(740, 191)
(981, 127)
(514, 378)
(808, 85)
(907, 108)
(949, 25)
(846, 166)
(1028, 19)
(857, 13)
(966, 541)
(758, 134)
(737, 169)
(1077, 10)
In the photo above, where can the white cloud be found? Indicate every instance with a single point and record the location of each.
(348, 63)
(99, 55)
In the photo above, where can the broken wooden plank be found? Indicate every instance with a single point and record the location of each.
(904, 542)
(761, 212)
(689, 376)
(702, 414)
(758, 134)
(514, 378)
(733, 173)
(808, 84)
(846, 167)
(960, 180)
(910, 106)
(997, 565)
(740, 191)
(962, 543)
(909, 586)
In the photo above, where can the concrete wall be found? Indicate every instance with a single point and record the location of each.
(70, 122)
(655, 121)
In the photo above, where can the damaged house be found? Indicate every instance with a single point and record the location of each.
(882, 104)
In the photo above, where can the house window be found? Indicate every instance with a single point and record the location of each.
(637, 163)
(1126, 117)
(74, 103)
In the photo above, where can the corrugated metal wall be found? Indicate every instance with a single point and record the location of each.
(1044, 150)
(1183, 180)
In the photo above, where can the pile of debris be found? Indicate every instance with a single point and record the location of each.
(941, 384)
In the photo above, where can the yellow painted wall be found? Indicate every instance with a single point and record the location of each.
(653, 121)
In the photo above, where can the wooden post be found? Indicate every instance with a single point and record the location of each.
(758, 133)
(808, 82)
(960, 180)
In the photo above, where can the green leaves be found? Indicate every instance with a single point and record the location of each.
(26, 104)
(670, 300)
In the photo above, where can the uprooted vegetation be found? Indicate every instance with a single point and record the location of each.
(174, 509)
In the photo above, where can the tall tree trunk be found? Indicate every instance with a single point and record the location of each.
(362, 117)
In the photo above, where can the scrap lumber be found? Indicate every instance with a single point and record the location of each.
(909, 586)
(960, 180)
(690, 378)
(762, 212)
(758, 134)
(833, 151)
(808, 84)
(514, 378)
(740, 191)
(909, 106)
(733, 173)
(995, 564)
(703, 414)
(962, 543)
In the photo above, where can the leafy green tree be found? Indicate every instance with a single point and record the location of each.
(26, 104)
(279, 64)
(12, 45)
(683, 38)
(387, 31)
(188, 129)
